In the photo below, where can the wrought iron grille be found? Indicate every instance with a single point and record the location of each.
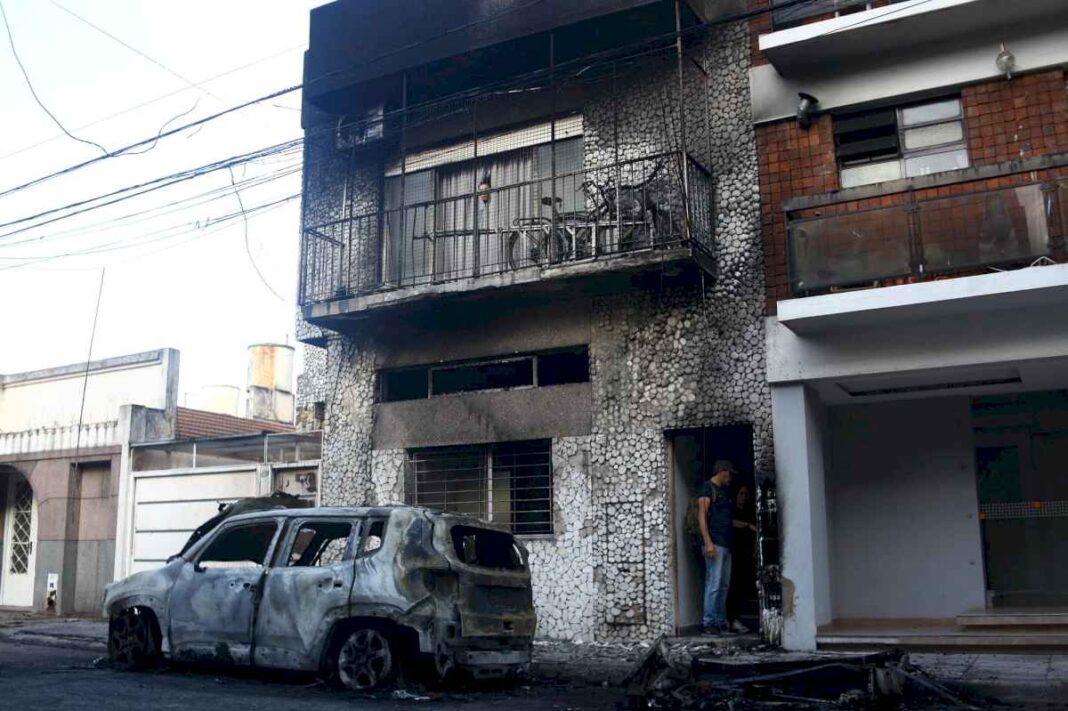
(596, 160)
(22, 529)
(508, 484)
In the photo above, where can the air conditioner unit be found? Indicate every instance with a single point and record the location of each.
(360, 130)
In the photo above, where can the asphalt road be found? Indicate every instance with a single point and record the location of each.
(43, 677)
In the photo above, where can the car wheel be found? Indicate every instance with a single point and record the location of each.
(364, 660)
(133, 641)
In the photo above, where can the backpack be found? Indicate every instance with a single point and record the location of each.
(692, 523)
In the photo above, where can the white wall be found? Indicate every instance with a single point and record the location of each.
(799, 424)
(904, 530)
(52, 397)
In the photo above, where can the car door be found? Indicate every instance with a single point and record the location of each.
(305, 591)
(213, 601)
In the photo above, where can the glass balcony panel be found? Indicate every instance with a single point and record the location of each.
(849, 249)
(997, 227)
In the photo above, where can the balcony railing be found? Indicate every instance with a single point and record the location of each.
(926, 238)
(642, 205)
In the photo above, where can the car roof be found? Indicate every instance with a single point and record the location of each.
(336, 511)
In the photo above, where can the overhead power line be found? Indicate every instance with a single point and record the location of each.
(161, 97)
(133, 49)
(33, 92)
(128, 192)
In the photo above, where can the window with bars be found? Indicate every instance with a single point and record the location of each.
(892, 143)
(506, 483)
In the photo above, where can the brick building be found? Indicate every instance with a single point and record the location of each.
(531, 282)
(914, 212)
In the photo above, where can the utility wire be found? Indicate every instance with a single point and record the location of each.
(29, 85)
(133, 49)
(198, 228)
(128, 192)
(248, 249)
(373, 60)
(157, 99)
(281, 92)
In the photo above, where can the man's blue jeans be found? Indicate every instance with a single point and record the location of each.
(717, 582)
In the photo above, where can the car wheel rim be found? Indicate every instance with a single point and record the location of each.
(129, 638)
(364, 660)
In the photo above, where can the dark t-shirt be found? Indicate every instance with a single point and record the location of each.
(720, 514)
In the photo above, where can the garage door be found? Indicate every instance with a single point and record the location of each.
(168, 507)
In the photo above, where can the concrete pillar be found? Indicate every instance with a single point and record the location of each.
(797, 418)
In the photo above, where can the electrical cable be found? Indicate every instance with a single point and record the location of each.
(176, 178)
(144, 187)
(248, 249)
(288, 90)
(133, 49)
(29, 85)
(157, 99)
(198, 228)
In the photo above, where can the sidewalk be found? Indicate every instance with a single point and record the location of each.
(1018, 679)
(50, 631)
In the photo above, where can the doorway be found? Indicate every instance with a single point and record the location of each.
(1021, 445)
(20, 538)
(693, 452)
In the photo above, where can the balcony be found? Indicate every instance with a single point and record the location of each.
(849, 33)
(617, 217)
(902, 238)
(577, 178)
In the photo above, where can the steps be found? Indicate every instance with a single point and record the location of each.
(1016, 630)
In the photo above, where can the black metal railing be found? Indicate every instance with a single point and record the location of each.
(643, 204)
(925, 238)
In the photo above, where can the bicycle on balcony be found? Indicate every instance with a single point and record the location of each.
(635, 212)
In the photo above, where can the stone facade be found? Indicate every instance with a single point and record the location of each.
(689, 353)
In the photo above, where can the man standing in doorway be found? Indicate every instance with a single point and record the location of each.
(716, 519)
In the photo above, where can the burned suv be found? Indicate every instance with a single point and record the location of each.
(348, 592)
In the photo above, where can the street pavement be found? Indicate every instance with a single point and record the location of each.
(64, 677)
(61, 663)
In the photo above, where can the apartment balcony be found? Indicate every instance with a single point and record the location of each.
(937, 252)
(901, 239)
(610, 221)
(811, 37)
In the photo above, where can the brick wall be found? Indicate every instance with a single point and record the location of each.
(1021, 118)
(1004, 120)
(792, 162)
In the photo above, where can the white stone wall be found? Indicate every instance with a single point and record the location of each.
(662, 358)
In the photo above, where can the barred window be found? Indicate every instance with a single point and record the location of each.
(506, 483)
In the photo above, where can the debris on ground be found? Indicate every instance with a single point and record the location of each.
(691, 677)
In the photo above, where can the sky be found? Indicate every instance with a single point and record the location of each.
(174, 275)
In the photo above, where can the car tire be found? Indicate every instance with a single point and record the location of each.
(363, 660)
(133, 640)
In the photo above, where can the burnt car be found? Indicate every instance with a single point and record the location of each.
(349, 593)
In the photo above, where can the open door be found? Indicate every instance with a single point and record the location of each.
(693, 453)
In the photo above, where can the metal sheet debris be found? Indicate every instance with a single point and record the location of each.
(707, 677)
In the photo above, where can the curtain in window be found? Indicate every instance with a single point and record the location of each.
(509, 199)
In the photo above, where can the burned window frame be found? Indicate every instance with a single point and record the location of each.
(268, 556)
(282, 560)
(485, 461)
(540, 376)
